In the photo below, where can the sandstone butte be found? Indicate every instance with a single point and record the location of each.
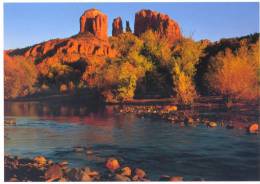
(161, 23)
(95, 22)
(92, 39)
(117, 27)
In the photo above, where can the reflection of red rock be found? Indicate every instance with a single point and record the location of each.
(161, 23)
(117, 27)
(95, 22)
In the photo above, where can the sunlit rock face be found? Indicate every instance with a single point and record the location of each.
(95, 22)
(117, 27)
(92, 40)
(161, 23)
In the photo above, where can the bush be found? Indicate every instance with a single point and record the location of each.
(235, 74)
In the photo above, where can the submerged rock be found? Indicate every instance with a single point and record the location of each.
(119, 177)
(74, 174)
(164, 178)
(79, 149)
(63, 163)
(230, 126)
(89, 152)
(176, 178)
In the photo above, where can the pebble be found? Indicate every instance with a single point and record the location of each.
(89, 152)
(79, 149)
(176, 178)
(212, 124)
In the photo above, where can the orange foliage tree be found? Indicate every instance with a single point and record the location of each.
(235, 75)
(20, 76)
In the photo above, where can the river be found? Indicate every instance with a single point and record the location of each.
(157, 146)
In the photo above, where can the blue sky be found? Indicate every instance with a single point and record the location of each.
(26, 24)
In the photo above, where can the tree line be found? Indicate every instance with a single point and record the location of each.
(146, 67)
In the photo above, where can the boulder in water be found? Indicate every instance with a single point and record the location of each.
(126, 171)
(140, 173)
(112, 164)
(40, 160)
(54, 172)
(212, 124)
(253, 128)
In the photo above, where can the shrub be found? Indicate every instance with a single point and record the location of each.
(235, 74)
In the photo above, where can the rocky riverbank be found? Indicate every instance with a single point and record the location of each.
(43, 169)
(172, 114)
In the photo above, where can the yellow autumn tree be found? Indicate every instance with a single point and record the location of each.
(186, 55)
(235, 74)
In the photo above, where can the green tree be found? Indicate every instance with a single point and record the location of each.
(186, 55)
(119, 75)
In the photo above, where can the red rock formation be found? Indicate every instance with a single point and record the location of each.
(117, 26)
(90, 42)
(127, 28)
(95, 22)
(161, 23)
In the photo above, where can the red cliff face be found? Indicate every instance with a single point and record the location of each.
(117, 26)
(95, 22)
(161, 23)
(92, 41)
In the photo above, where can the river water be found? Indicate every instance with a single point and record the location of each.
(158, 147)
